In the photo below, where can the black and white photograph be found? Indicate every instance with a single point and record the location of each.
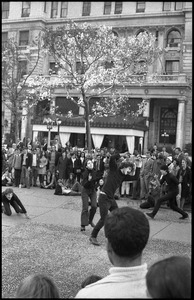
(96, 149)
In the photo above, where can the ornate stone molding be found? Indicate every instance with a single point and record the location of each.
(182, 99)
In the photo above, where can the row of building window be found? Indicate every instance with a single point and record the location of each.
(86, 9)
(172, 67)
(173, 38)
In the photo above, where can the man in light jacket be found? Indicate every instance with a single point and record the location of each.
(127, 232)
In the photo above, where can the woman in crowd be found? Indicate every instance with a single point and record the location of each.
(62, 166)
(184, 176)
(42, 169)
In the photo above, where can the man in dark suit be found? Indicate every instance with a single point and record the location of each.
(99, 165)
(44, 147)
(26, 168)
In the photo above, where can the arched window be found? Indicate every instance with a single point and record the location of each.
(173, 38)
(168, 124)
(141, 31)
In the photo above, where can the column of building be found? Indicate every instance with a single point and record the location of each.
(146, 114)
(180, 122)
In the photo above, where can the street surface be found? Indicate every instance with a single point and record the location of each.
(51, 242)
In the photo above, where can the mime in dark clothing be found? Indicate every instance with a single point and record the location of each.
(117, 174)
(10, 198)
(172, 192)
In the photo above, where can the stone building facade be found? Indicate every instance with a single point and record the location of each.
(168, 116)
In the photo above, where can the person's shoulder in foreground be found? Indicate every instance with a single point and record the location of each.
(127, 232)
(170, 278)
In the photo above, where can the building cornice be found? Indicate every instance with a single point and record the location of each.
(150, 16)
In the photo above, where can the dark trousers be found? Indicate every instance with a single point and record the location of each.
(87, 216)
(171, 197)
(17, 176)
(136, 188)
(41, 178)
(34, 175)
(7, 208)
(105, 205)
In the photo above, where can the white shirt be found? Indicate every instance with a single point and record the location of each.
(34, 160)
(121, 282)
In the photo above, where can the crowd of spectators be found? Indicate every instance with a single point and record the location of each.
(34, 164)
(61, 169)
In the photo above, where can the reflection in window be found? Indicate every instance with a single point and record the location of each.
(140, 7)
(166, 6)
(107, 8)
(178, 5)
(86, 8)
(118, 7)
(24, 38)
(172, 67)
(5, 10)
(25, 9)
(4, 39)
(168, 124)
(173, 39)
(64, 6)
(54, 9)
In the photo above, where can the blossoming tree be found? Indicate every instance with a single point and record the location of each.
(106, 65)
(17, 62)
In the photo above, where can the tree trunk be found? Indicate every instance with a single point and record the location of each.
(16, 128)
(88, 142)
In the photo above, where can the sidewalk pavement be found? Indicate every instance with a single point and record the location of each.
(45, 207)
(51, 241)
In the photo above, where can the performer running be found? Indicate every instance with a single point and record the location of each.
(172, 192)
(118, 172)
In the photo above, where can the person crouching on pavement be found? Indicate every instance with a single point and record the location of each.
(89, 183)
(118, 172)
(153, 194)
(10, 198)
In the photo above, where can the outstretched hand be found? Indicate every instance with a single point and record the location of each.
(125, 154)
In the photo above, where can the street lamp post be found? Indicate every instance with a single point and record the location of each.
(58, 124)
(49, 127)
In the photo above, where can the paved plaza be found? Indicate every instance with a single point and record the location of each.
(51, 242)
